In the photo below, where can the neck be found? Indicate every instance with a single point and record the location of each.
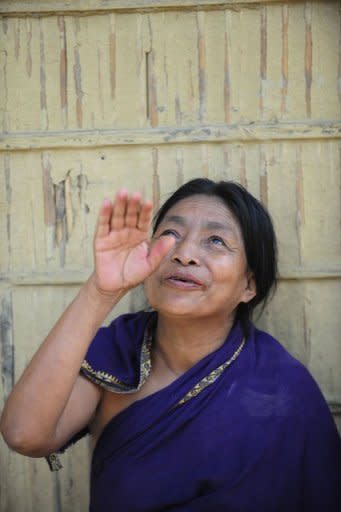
(182, 343)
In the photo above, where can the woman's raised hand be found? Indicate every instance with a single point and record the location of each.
(123, 256)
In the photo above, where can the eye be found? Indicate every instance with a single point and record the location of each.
(169, 232)
(217, 240)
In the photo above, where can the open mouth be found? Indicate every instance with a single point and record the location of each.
(187, 281)
(181, 280)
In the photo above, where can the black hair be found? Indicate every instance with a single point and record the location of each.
(257, 231)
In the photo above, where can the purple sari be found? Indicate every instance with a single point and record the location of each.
(246, 429)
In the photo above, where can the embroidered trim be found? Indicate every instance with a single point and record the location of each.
(113, 383)
(103, 378)
(211, 377)
(145, 359)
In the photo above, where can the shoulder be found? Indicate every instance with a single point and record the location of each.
(123, 336)
(290, 377)
(114, 357)
(306, 422)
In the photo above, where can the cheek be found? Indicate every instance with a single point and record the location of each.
(230, 273)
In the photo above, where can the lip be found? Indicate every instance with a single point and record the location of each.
(181, 279)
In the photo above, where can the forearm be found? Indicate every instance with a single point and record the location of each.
(40, 396)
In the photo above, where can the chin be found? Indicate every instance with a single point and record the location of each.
(173, 308)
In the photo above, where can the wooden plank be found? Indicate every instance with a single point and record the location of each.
(324, 71)
(320, 178)
(130, 69)
(21, 45)
(324, 350)
(245, 94)
(5, 208)
(6, 384)
(74, 478)
(174, 68)
(6, 345)
(242, 132)
(22, 481)
(296, 85)
(272, 84)
(284, 318)
(44, 6)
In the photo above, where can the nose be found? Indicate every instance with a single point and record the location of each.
(185, 253)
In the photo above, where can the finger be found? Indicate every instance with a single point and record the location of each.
(119, 210)
(103, 221)
(145, 216)
(133, 210)
(159, 250)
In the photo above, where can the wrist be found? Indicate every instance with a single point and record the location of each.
(100, 300)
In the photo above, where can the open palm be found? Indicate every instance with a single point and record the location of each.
(123, 258)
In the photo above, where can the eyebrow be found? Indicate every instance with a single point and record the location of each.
(211, 224)
(177, 219)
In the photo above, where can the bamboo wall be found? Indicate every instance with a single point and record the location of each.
(96, 94)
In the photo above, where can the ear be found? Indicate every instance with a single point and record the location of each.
(250, 289)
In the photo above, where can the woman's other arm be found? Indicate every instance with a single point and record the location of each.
(51, 401)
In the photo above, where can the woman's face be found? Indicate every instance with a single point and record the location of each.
(205, 274)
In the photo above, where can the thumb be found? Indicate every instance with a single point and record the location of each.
(159, 250)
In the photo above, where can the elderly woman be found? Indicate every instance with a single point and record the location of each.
(191, 407)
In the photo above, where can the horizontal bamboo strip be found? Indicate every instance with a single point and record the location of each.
(28, 7)
(77, 277)
(251, 132)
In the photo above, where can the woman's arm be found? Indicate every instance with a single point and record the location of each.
(51, 401)
(33, 422)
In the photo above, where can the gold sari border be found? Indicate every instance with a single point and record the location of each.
(211, 377)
